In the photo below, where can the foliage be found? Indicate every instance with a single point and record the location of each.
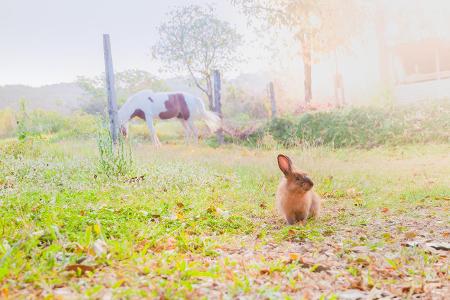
(127, 83)
(362, 127)
(329, 24)
(242, 105)
(40, 123)
(8, 122)
(318, 26)
(115, 160)
(195, 41)
(22, 122)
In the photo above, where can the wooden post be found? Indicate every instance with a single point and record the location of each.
(110, 89)
(272, 100)
(218, 103)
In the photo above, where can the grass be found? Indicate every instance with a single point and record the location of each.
(363, 127)
(197, 222)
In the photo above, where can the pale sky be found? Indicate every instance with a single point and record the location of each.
(51, 41)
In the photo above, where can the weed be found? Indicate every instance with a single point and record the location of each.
(115, 159)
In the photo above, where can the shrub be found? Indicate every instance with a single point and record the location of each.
(23, 124)
(115, 160)
(7, 123)
(362, 127)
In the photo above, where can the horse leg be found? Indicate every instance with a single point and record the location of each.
(187, 132)
(153, 135)
(194, 130)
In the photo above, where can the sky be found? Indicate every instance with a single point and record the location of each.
(50, 41)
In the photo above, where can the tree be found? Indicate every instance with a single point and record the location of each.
(193, 40)
(320, 26)
(127, 83)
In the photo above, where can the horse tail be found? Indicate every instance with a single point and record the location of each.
(211, 119)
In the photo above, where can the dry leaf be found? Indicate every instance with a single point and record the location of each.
(82, 268)
(4, 293)
(439, 245)
(294, 256)
(264, 271)
(384, 209)
(211, 210)
(410, 235)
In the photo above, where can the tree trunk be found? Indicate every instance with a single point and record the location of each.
(306, 49)
(211, 102)
(272, 100)
(210, 93)
(218, 103)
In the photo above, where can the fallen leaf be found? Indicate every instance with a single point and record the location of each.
(264, 271)
(318, 268)
(439, 245)
(352, 295)
(294, 256)
(97, 228)
(384, 209)
(4, 293)
(360, 249)
(80, 268)
(410, 234)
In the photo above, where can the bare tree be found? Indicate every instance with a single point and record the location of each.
(195, 41)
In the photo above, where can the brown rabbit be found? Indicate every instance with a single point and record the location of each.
(295, 199)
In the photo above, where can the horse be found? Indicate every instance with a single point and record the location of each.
(185, 107)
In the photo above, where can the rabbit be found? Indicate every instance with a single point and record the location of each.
(295, 199)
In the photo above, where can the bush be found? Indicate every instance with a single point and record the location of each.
(115, 160)
(362, 127)
(20, 148)
(7, 123)
(23, 124)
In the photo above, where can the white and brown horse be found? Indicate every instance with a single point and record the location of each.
(185, 107)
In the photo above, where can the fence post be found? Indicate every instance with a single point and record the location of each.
(110, 89)
(272, 100)
(218, 103)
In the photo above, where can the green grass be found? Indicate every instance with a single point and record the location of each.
(202, 222)
(363, 127)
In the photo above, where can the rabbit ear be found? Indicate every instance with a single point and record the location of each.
(285, 164)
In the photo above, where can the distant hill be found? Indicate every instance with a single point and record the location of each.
(69, 97)
(61, 97)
